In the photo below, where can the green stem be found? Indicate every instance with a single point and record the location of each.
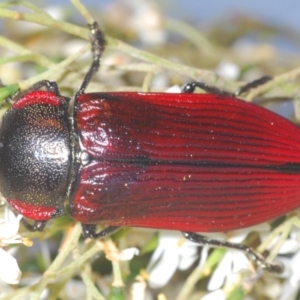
(51, 273)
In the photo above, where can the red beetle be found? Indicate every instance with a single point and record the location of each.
(188, 162)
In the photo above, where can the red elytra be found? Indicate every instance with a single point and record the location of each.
(183, 161)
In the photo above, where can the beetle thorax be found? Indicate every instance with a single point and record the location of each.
(35, 154)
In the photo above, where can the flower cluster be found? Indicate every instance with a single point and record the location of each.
(9, 227)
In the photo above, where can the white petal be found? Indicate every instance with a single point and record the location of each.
(9, 270)
(188, 253)
(240, 261)
(288, 291)
(45, 295)
(8, 230)
(295, 277)
(156, 256)
(295, 233)
(219, 294)
(138, 289)
(289, 246)
(203, 256)
(174, 89)
(187, 249)
(185, 262)
(162, 272)
(167, 240)
(172, 251)
(129, 253)
(238, 238)
(9, 215)
(223, 269)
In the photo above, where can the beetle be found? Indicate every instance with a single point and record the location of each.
(188, 162)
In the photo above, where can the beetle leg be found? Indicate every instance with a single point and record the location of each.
(89, 231)
(190, 87)
(35, 226)
(258, 258)
(49, 86)
(251, 85)
(98, 43)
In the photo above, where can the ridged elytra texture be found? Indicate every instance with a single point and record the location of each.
(183, 161)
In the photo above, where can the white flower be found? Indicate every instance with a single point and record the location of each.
(173, 252)
(138, 289)
(114, 254)
(9, 231)
(227, 272)
(129, 253)
(9, 270)
(291, 273)
(175, 89)
(234, 261)
(219, 294)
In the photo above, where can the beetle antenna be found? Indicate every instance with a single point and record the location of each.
(98, 45)
(9, 99)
